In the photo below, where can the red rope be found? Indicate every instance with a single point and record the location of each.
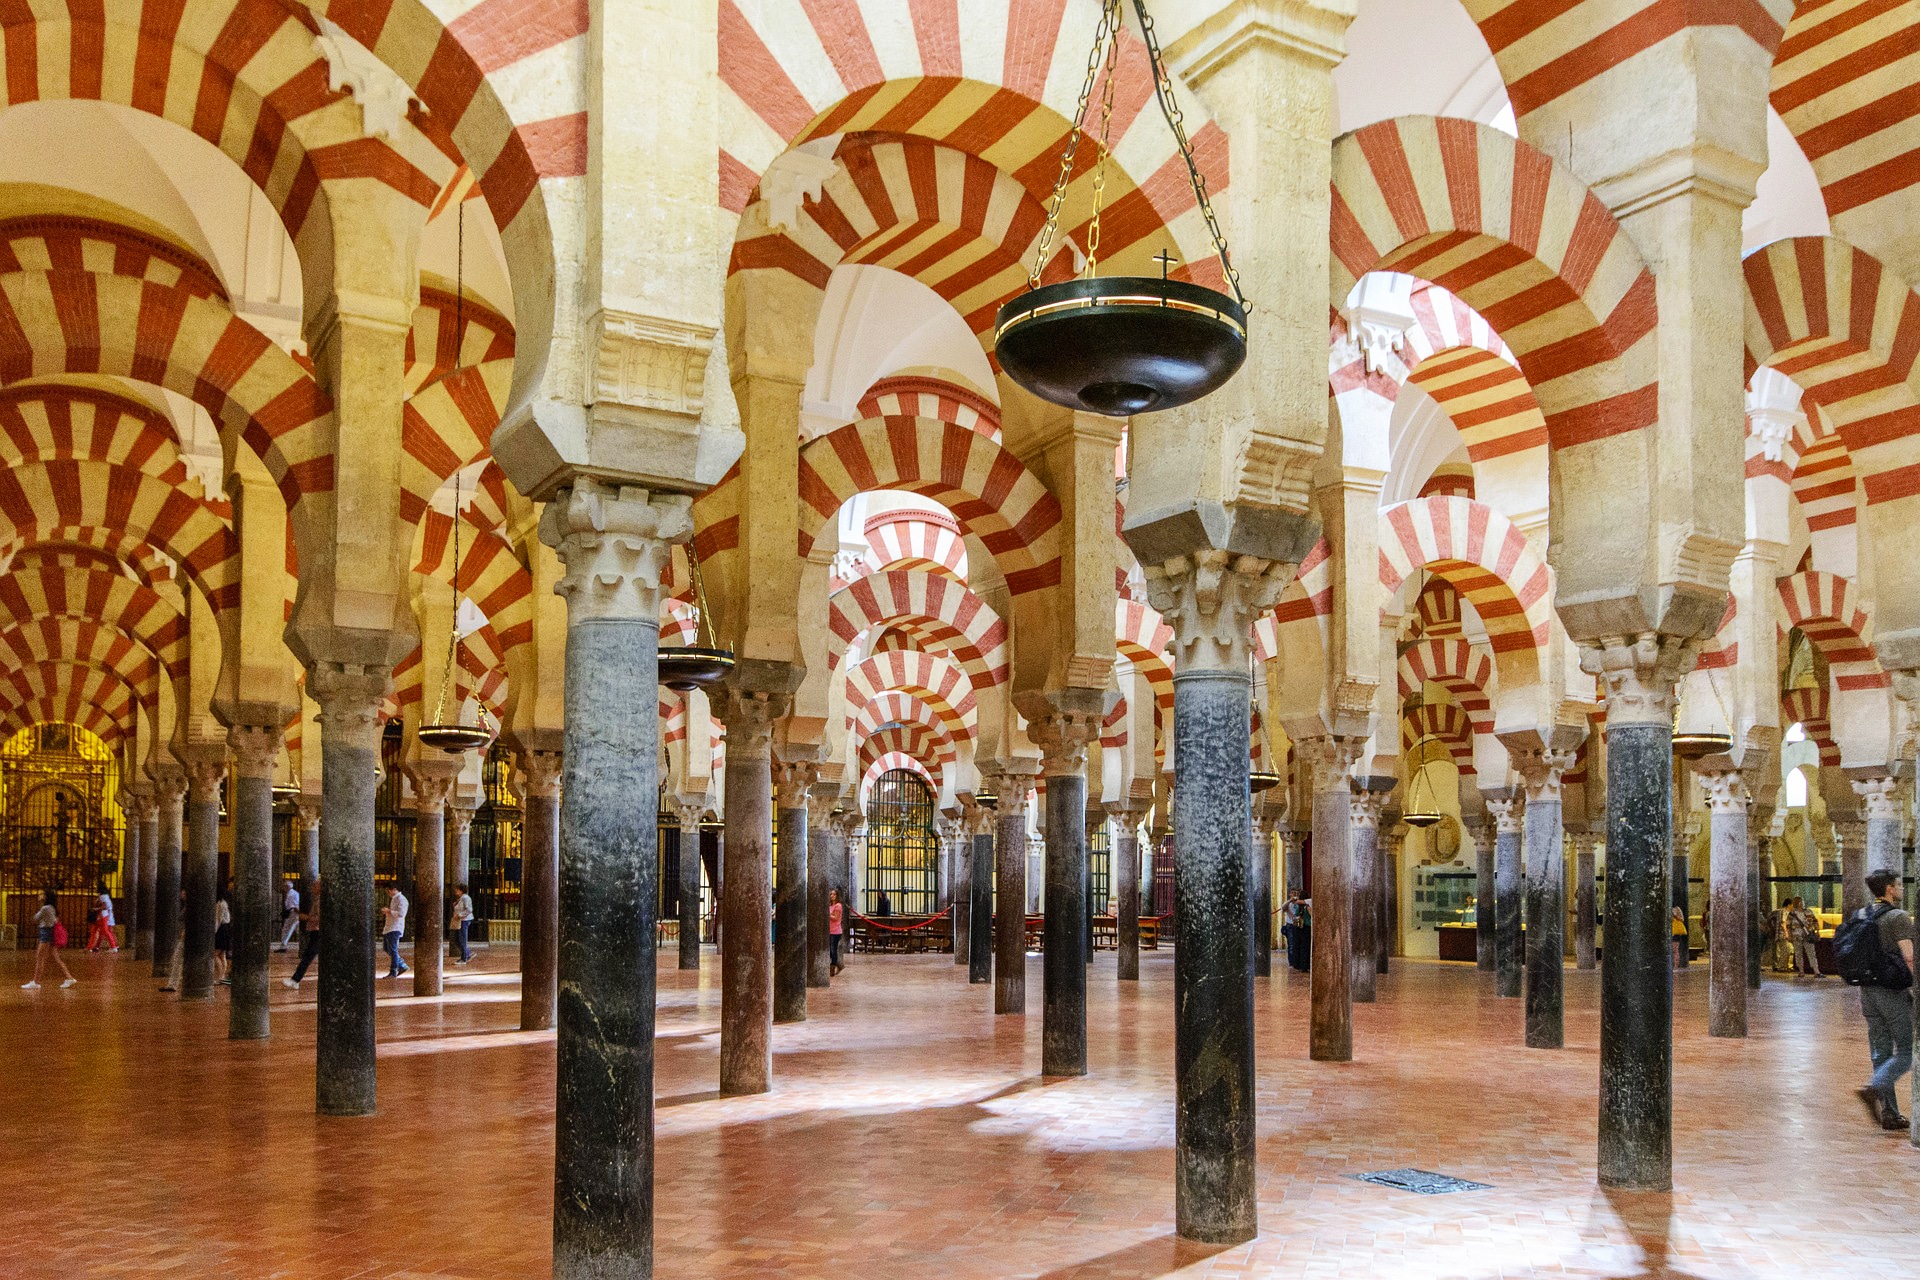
(902, 928)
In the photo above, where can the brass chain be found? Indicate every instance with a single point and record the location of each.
(453, 627)
(1163, 89)
(1100, 165)
(1109, 29)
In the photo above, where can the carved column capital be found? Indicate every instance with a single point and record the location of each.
(1364, 810)
(1638, 674)
(1331, 758)
(540, 773)
(459, 820)
(255, 748)
(792, 780)
(431, 789)
(1014, 788)
(1507, 815)
(349, 697)
(749, 718)
(1849, 833)
(206, 770)
(1541, 771)
(820, 803)
(1062, 737)
(1880, 795)
(688, 811)
(1726, 791)
(308, 808)
(615, 542)
(1210, 599)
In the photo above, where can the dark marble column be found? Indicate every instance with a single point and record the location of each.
(1364, 922)
(1544, 854)
(1010, 892)
(847, 828)
(1330, 1035)
(689, 810)
(1126, 878)
(127, 917)
(1392, 836)
(980, 871)
(307, 825)
(1510, 969)
(792, 781)
(1636, 986)
(1486, 939)
(160, 837)
(542, 818)
(1850, 835)
(432, 783)
(614, 544)
(349, 700)
(1585, 954)
(256, 905)
(1260, 863)
(200, 870)
(746, 896)
(146, 816)
(1728, 865)
(957, 837)
(1758, 908)
(1062, 736)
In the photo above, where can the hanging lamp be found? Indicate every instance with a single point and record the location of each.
(1419, 816)
(1700, 745)
(1262, 781)
(1120, 345)
(452, 736)
(704, 663)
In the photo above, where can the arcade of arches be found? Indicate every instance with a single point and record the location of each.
(370, 367)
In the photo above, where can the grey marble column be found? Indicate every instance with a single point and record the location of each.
(1330, 1034)
(349, 698)
(1727, 903)
(1585, 953)
(147, 815)
(1880, 801)
(957, 838)
(1758, 909)
(1260, 864)
(688, 810)
(460, 811)
(847, 825)
(980, 871)
(1392, 837)
(200, 870)
(128, 916)
(820, 803)
(308, 807)
(1636, 986)
(1126, 877)
(1293, 862)
(256, 906)
(162, 838)
(1544, 854)
(792, 781)
(432, 783)
(542, 817)
(746, 895)
(1510, 967)
(1486, 839)
(1062, 732)
(1850, 835)
(1364, 923)
(1010, 893)
(614, 545)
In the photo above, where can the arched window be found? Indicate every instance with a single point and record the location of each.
(901, 847)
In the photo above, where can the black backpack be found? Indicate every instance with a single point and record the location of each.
(1862, 957)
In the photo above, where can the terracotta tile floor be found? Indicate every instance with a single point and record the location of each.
(909, 1134)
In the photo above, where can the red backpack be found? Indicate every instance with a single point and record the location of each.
(59, 933)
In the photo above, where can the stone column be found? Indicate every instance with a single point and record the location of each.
(164, 835)
(1364, 924)
(1392, 840)
(688, 810)
(820, 802)
(792, 781)
(1585, 954)
(432, 783)
(614, 544)
(1126, 875)
(956, 837)
(1545, 856)
(200, 872)
(148, 816)
(980, 869)
(1758, 821)
(460, 811)
(1062, 736)
(256, 905)
(308, 808)
(1010, 893)
(1510, 967)
(128, 919)
(1880, 797)
(1486, 839)
(1330, 1035)
(1293, 863)
(1728, 864)
(844, 825)
(349, 699)
(541, 849)
(1850, 839)
(1260, 864)
(1637, 675)
(746, 896)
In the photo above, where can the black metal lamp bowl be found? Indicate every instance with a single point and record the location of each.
(1697, 746)
(1262, 781)
(689, 667)
(454, 738)
(1120, 345)
(1421, 819)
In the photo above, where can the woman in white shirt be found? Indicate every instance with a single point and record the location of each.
(101, 935)
(47, 920)
(223, 937)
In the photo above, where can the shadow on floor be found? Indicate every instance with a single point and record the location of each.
(1159, 1256)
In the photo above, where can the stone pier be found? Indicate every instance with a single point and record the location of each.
(256, 904)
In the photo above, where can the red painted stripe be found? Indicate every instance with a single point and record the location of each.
(1629, 411)
(751, 70)
(499, 33)
(936, 29)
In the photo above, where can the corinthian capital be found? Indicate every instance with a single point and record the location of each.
(1726, 791)
(255, 748)
(1881, 797)
(349, 697)
(1638, 674)
(1210, 599)
(749, 716)
(615, 543)
(1062, 737)
(1331, 757)
(540, 772)
(1507, 815)
(1541, 771)
(792, 779)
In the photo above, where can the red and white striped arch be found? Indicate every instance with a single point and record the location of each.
(877, 766)
(936, 680)
(1143, 638)
(457, 375)
(945, 612)
(114, 601)
(1482, 554)
(85, 695)
(1810, 709)
(1520, 240)
(62, 242)
(45, 422)
(1464, 670)
(110, 726)
(916, 395)
(915, 540)
(491, 573)
(1825, 609)
(113, 550)
(1306, 603)
(1445, 722)
(898, 706)
(1826, 485)
(84, 643)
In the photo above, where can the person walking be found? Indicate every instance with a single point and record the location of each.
(1296, 926)
(1679, 937)
(1803, 931)
(289, 913)
(462, 921)
(309, 936)
(836, 926)
(52, 935)
(1886, 1000)
(223, 937)
(396, 922)
(100, 936)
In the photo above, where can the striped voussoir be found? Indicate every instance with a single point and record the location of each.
(1847, 331)
(39, 423)
(1826, 609)
(63, 242)
(1826, 484)
(1481, 552)
(95, 697)
(887, 762)
(949, 615)
(79, 640)
(897, 707)
(1444, 722)
(1306, 603)
(1113, 729)
(1437, 609)
(1449, 480)
(1465, 670)
(1516, 237)
(1721, 652)
(934, 678)
(492, 575)
(113, 551)
(920, 396)
(1142, 637)
(458, 370)
(40, 591)
(1811, 708)
(915, 540)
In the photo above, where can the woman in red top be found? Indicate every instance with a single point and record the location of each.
(836, 925)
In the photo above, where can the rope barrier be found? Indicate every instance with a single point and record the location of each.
(902, 928)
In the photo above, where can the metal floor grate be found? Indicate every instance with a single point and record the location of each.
(1420, 1181)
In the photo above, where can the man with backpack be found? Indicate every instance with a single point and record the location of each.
(1874, 951)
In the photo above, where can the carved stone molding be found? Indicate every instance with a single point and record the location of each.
(615, 543)
(204, 776)
(382, 95)
(255, 748)
(1881, 797)
(1638, 674)
(1015, 790)
(540, 773)
(1726, 791)
(650, 362)
(1508, 817)
(688, 811)
(1211, 599)
(459, 820)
